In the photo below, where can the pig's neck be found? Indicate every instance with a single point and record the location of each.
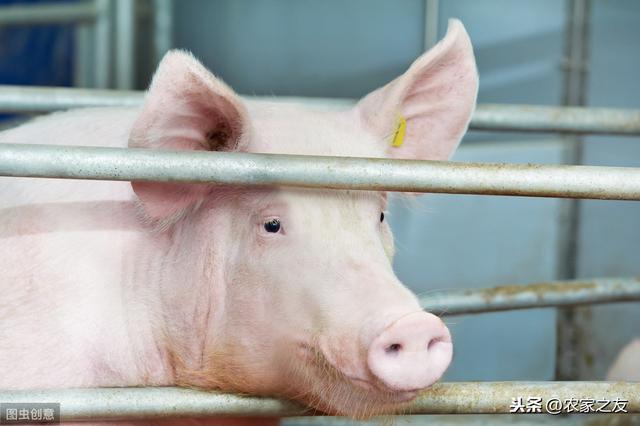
(184, 276)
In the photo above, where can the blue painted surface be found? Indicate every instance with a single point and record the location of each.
(39, 55)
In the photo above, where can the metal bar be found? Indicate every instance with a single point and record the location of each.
(31, 99)
(441, 398)
(162, 28)
(82, 75)
(568, 329)
(469, 420)
(125, 43)
(492, 117)
(47, 13)
(498, 397)
(73, 162)
(102, 43)
(578, 120)
(151, 402)
(539, 295)
(25, 99)
(431, 21)
(576, 59)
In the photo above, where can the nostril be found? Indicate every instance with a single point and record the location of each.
(393, 348)
(433, 342)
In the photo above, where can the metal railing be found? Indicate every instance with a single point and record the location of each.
(75, 162)
(528, 296)
(520, 118)
(441, 398)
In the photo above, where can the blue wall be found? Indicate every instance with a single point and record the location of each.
(37, 55)
(40, 55)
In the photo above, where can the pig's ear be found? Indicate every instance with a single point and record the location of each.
(423, 113)
(186, 108)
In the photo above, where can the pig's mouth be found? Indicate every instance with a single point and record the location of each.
(332, 391)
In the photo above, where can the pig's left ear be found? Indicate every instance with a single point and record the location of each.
(186, 108)
(424, 113)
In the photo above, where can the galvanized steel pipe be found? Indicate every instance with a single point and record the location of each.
(521, 118)
(125, 33)
(162, 28)
(577, 120)
(102, 43)
(619, 183)
(501, 397)
(539, 295)
(82, 11)
(25, 99)
(441, 398)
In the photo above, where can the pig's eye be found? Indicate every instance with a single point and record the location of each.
(272, 226)
(382, 217)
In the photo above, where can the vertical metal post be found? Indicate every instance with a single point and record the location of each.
(102, 41)
(162, 28)
(125, 43)
(82, 72)
(568, 329)
(431, 16)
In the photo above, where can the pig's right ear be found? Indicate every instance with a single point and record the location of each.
(186, 108)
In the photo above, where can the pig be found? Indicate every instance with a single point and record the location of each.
(626, 366)
(275, 291)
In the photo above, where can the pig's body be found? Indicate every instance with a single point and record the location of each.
(267, 291)
(64, 255)
(626, 366)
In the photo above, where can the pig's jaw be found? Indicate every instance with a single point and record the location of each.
(329, 390)
(362, 377)
(337, 391)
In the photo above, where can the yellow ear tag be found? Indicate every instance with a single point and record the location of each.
(401, 129)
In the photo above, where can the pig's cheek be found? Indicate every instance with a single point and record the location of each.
(387, 241)
(262, 242)
(269, 248)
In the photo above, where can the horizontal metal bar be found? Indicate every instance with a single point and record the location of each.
(498, 397)
(620, 183)
(31, 99)
(441, 398)
(519, 118)
(469, 420)
(544, 119)
(25, 99)
(47, 13)
(539, 295)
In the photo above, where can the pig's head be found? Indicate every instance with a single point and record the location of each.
(293, 289)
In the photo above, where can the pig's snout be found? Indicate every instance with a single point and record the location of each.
(411, 353)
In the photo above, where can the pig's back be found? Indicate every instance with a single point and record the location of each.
(63, 244)
(84, 127)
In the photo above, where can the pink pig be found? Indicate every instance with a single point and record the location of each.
(626, 366)
(278, 291)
